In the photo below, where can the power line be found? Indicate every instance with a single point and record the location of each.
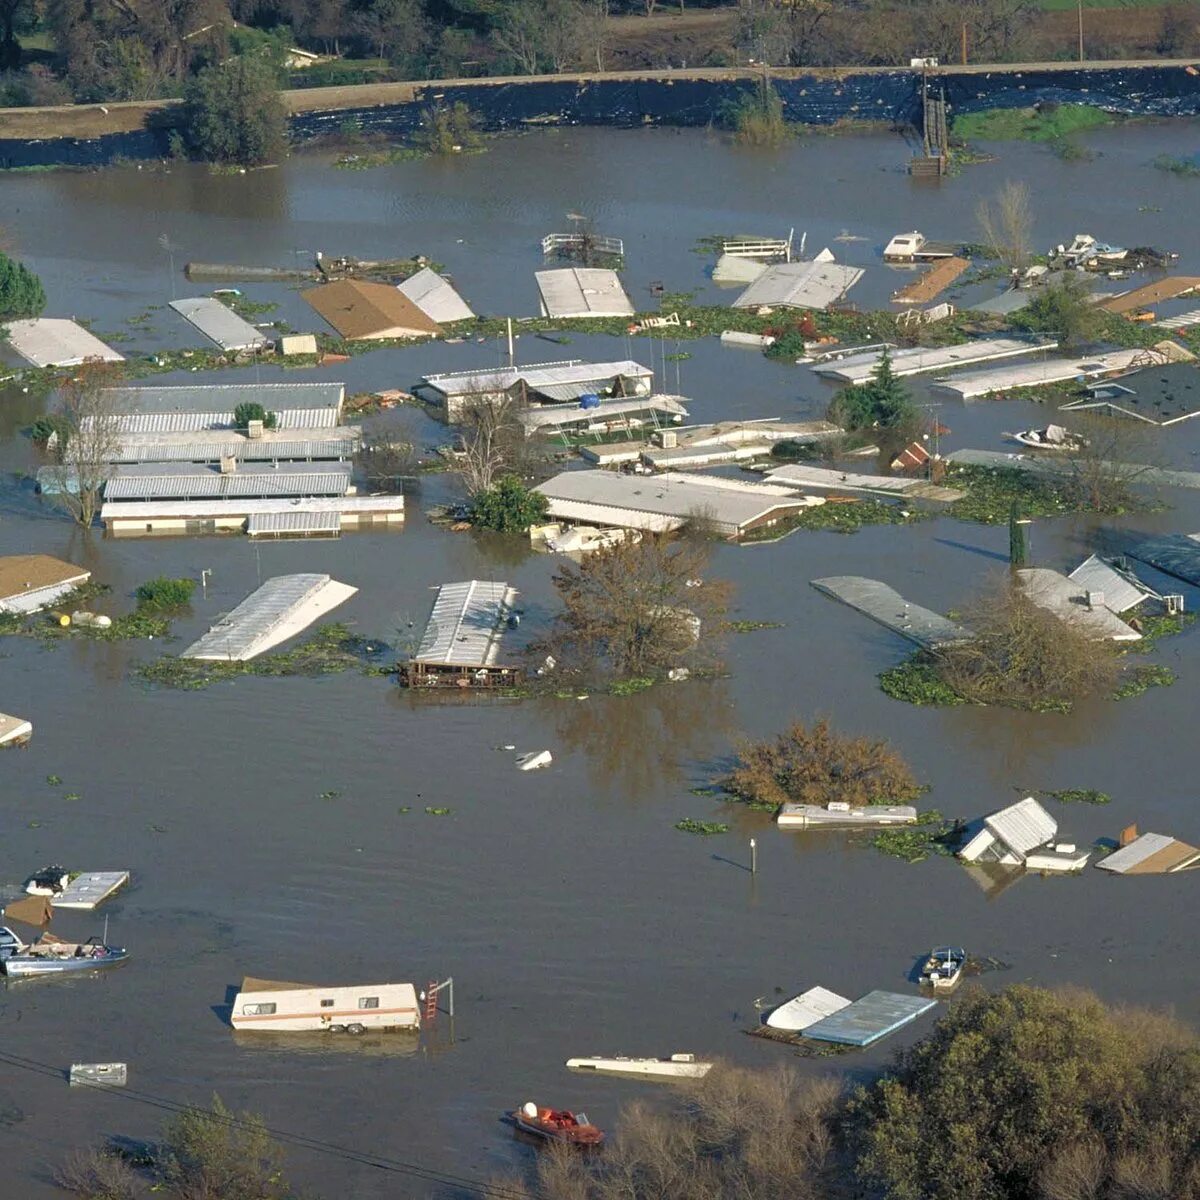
(303, 1141)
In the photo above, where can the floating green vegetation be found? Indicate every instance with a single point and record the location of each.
(751, 626)
(916, 681)
(437, 812)
(931, 835)
(1154, 628)
(1047, 123)
(1142, 679)
(331, 648)
(72, 796)
(837, 518)
(404, 808)
(703, 828)
(1077, 796)
(244, 307)
(367, 159)
(1174, 164)
(330, 795)
(54, 780)
(992, 490)
(628, 687)
(164, 595)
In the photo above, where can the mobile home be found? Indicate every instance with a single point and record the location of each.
(297, 1007)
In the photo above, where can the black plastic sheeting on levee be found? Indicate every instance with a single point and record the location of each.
(1167, 91)
(888, 96)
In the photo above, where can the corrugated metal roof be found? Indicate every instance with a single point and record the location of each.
(330, 481)
(1067, 600)
(218, 398)
(1120, 593)
(867, 1020)
(467, 624)
(1152, 853)
(200, 446)
(545, 418)
(540, 376)
(56, 342)
(220, 324)
(279, 609)
(435, 296)
(145, 510)
(301, 524)
(583, 292)
(1023, 825)
(813, 284)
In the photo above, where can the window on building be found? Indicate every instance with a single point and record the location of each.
(326, 1003)
(258, 1010)
(368, 1002)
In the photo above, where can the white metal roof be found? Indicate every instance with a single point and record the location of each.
(278, 610)
(1067, 600)
(812, 284)
(583, 292)
(806, 1009)
(467, 624)
(1051, 370)
(301, 524)
(1023, 825)
(1137, 854)
(1120, 592)
(189, 407)
(220, 324)
(329, 479)
(857, 368)
(145, 510)
(537, 376)
(56, 342)
(658, 503)
(211, 445)
(435, 296)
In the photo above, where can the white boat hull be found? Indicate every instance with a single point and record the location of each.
(652, 1068)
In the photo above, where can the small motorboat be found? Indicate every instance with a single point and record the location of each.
(1053, 437)
(46, 955)
(678, 1066)
(943, 968)
(534, 760)
(557, 1125)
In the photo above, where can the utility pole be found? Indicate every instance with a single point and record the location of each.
(964, 43)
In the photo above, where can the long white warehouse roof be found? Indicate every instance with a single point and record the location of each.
(857, 368)
(57, 342)
(467, 624)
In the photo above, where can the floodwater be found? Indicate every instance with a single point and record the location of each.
(572, 916)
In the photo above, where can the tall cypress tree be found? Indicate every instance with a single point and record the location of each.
(21, 293)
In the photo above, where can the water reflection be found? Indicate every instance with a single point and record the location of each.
(641, 745)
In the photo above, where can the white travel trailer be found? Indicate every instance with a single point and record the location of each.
(273, 1007)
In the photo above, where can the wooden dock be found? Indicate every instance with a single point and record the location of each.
(933, 282)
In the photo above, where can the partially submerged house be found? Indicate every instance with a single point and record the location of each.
(453, 393)
(185, 408)
(1150, 854)
(605, 416)
(221, 325)
(1118, 589)
(1075, 604)
(362, 311)
(277, 517)
(56, 342)
(436, 297)
(731, 508)
(337, 444)
(1022, 835)
(731, 441)
(582, 292)
(31, 582)
(281, 608)
(465, 643)
(815, 284)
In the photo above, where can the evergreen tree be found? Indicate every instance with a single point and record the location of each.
(882, 402)
(509, 507)
(232, 113)
(21, 293)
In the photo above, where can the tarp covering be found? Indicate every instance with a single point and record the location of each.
(32, 910)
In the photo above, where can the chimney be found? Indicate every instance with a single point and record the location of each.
(228, 464)
(1095, 600)
(254, 429)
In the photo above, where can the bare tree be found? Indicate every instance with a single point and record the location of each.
(1109, 458)
(1006, 225)
(88, 439)
(493, 443)
(637, 609)
(386, 464)
(97, 1174)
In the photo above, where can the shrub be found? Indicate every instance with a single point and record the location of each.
(815, 765)
(508, 507)
(250, 410)
(163, 594)
(447, 129)
(21, 293)
(757, 117)
(882, 403)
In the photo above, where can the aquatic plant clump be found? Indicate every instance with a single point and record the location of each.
(931, 835)
(703, 828)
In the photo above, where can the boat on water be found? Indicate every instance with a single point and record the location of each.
(49, 881)
(47, 955)
(678, 1066)
(943, 968)
(1053, 437)
(557, 1125)
(534, 760)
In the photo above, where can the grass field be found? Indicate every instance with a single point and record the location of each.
(1072, 5)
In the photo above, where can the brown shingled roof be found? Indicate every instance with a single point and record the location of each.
(361, 311)
(21, 573)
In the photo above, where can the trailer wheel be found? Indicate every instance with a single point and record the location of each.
(337, 1029)
(356, 1028)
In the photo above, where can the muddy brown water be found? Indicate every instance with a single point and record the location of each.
(573, 917)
